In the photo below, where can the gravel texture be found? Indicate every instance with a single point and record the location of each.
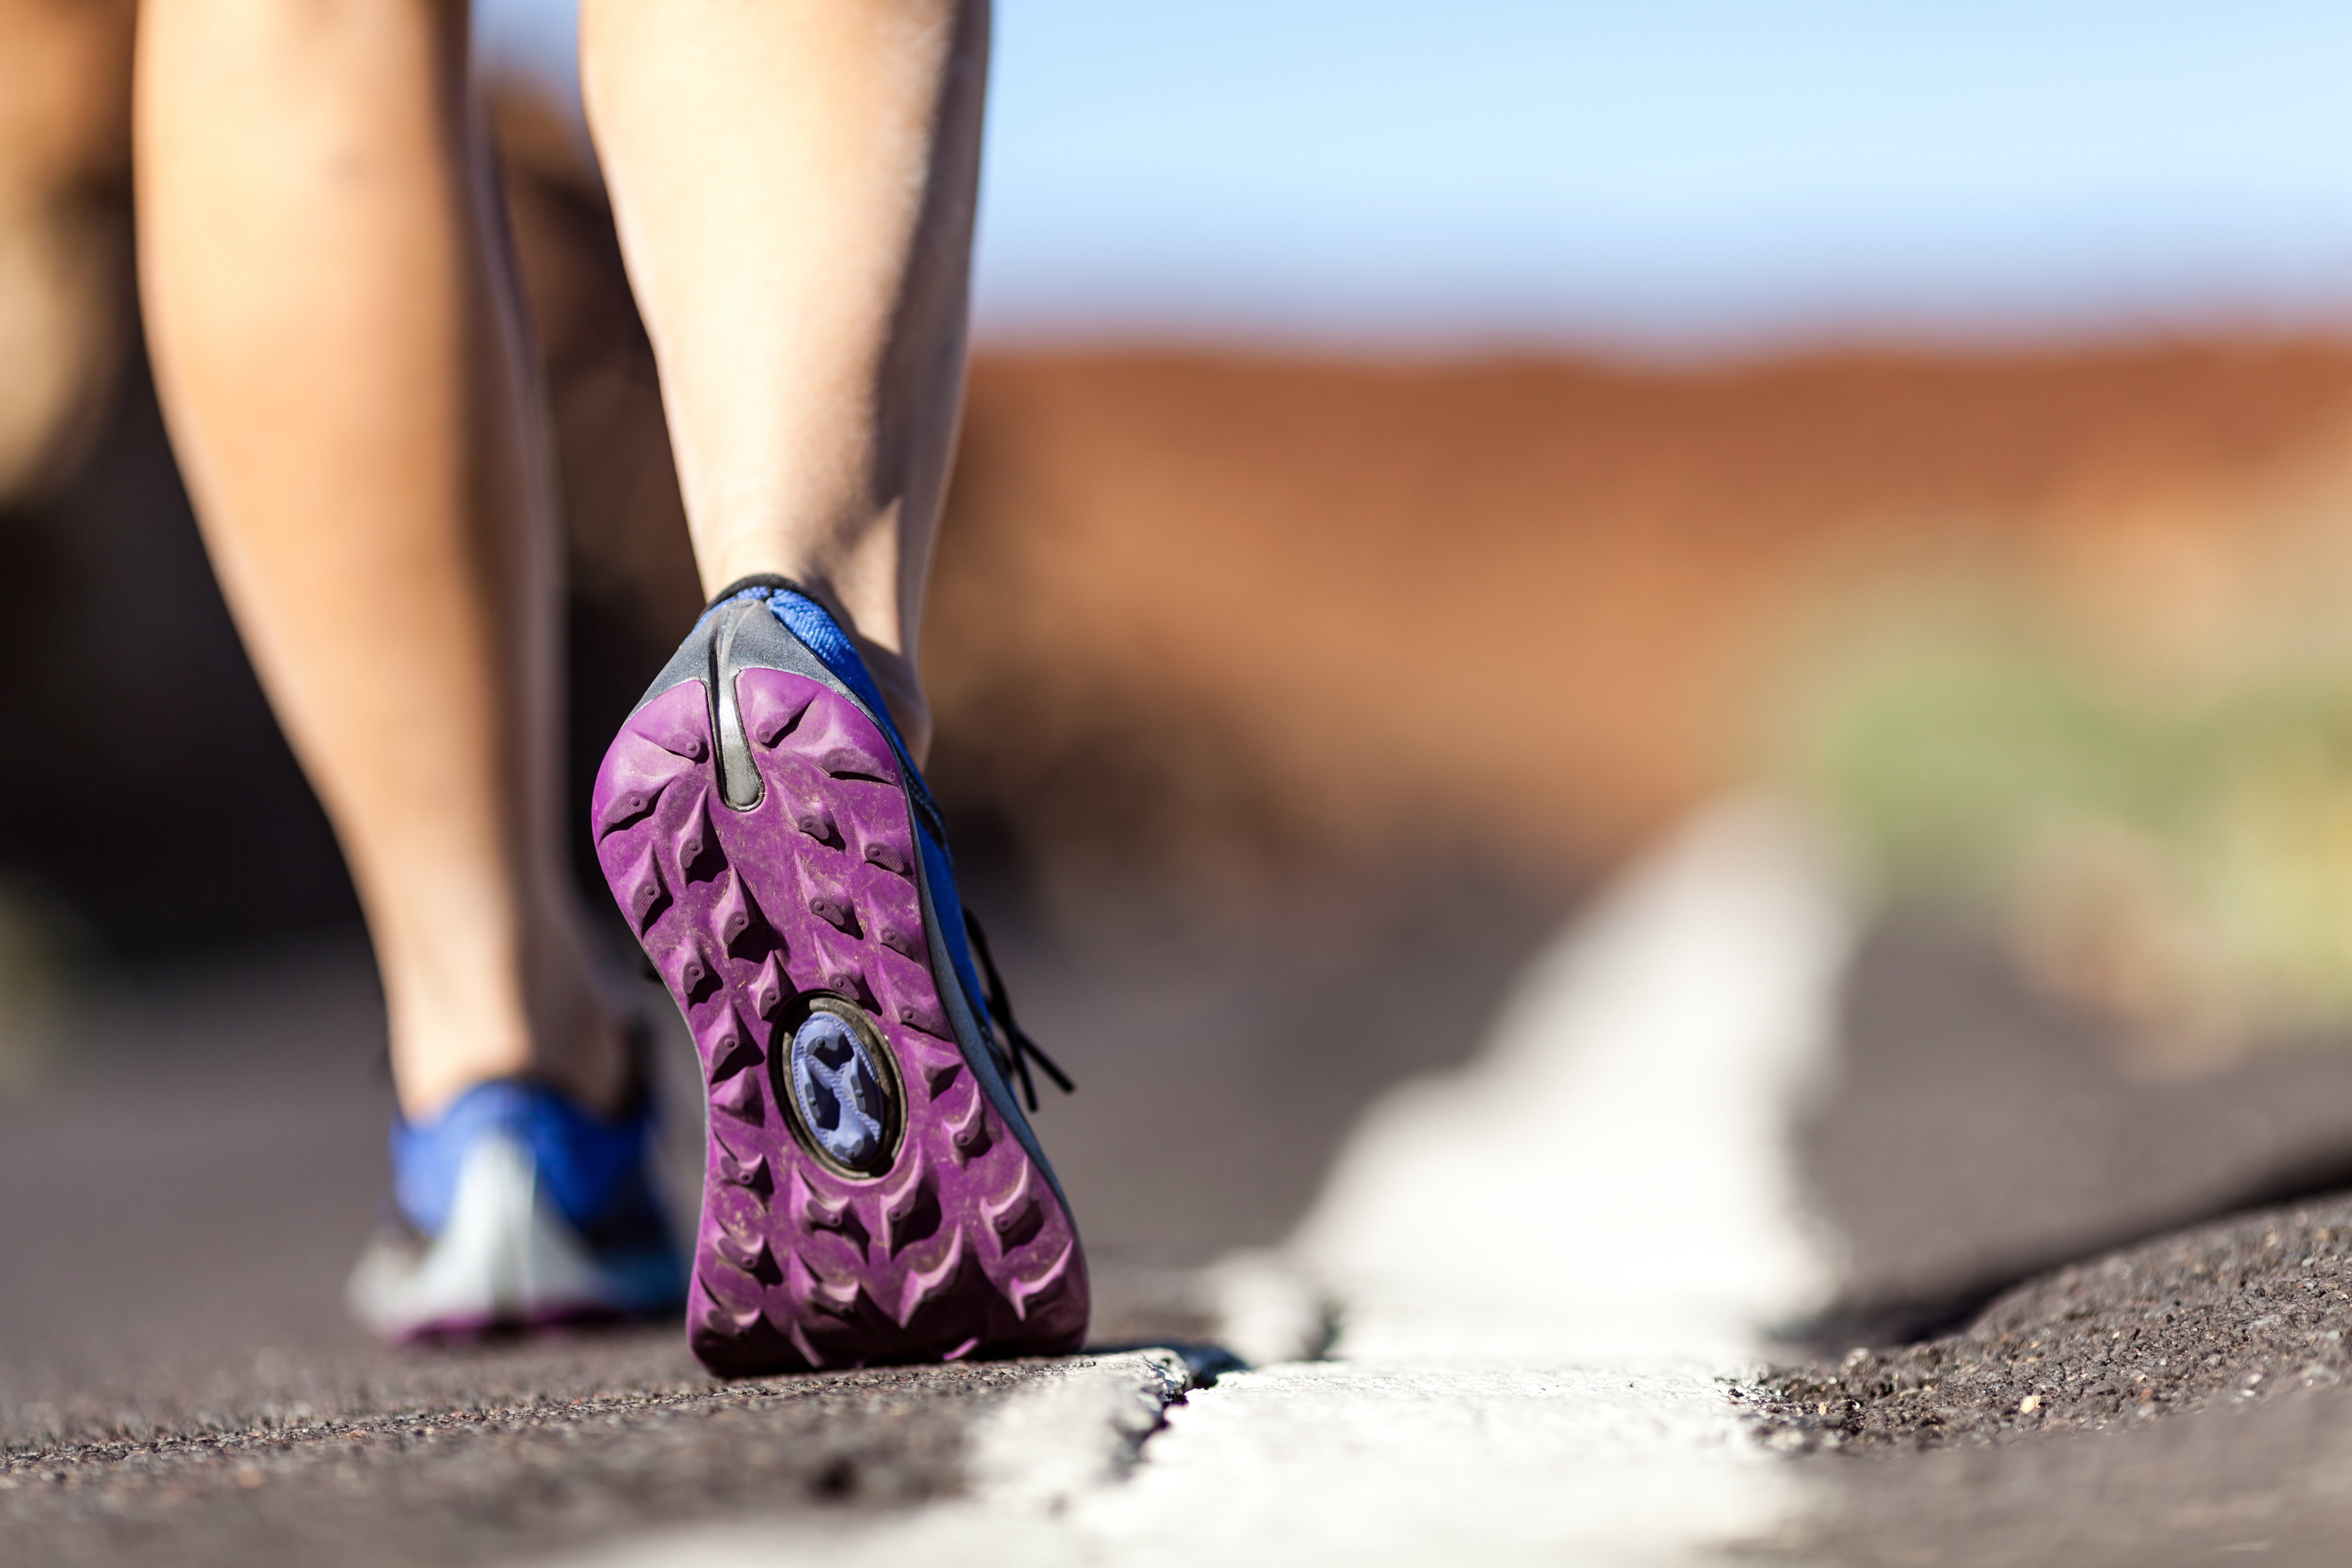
(2243, 1481)
(481, 1455)
(2024, 1217)
(188, 1184)
(178, 1383)
(2245, 1310)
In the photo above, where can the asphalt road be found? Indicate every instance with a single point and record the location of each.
(488, 1454)
(200, 1154)
(194, 1169)
(2047, 1349)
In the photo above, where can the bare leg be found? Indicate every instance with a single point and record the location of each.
(795, 182)
(337, 342)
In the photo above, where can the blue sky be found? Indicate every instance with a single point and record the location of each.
(1667, 173)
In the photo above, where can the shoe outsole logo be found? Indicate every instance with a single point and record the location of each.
(838, 1082)
(946, 1240)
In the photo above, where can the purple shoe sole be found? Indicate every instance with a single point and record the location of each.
(957, 1243)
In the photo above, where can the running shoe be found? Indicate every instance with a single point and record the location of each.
(872, 1191)
(518, 1209)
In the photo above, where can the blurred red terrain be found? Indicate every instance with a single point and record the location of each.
(1540, 607)
(1215, 608)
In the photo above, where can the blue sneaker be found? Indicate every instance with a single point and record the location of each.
(518, 1209)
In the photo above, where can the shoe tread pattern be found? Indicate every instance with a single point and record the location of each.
(962, 1246)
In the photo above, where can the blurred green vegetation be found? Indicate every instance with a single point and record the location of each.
(2177, 853)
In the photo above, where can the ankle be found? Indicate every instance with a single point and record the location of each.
(594, 1071)
(893, 672)
(551, 1023)
(902, 691)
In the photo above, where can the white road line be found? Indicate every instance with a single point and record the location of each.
(1614, 1174)
(1544, 1263)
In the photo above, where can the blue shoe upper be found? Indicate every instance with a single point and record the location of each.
(807, 620)
(591, 1168)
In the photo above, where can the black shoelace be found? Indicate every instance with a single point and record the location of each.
(1021, 1047)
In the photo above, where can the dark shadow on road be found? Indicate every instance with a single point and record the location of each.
(1978, 1134)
